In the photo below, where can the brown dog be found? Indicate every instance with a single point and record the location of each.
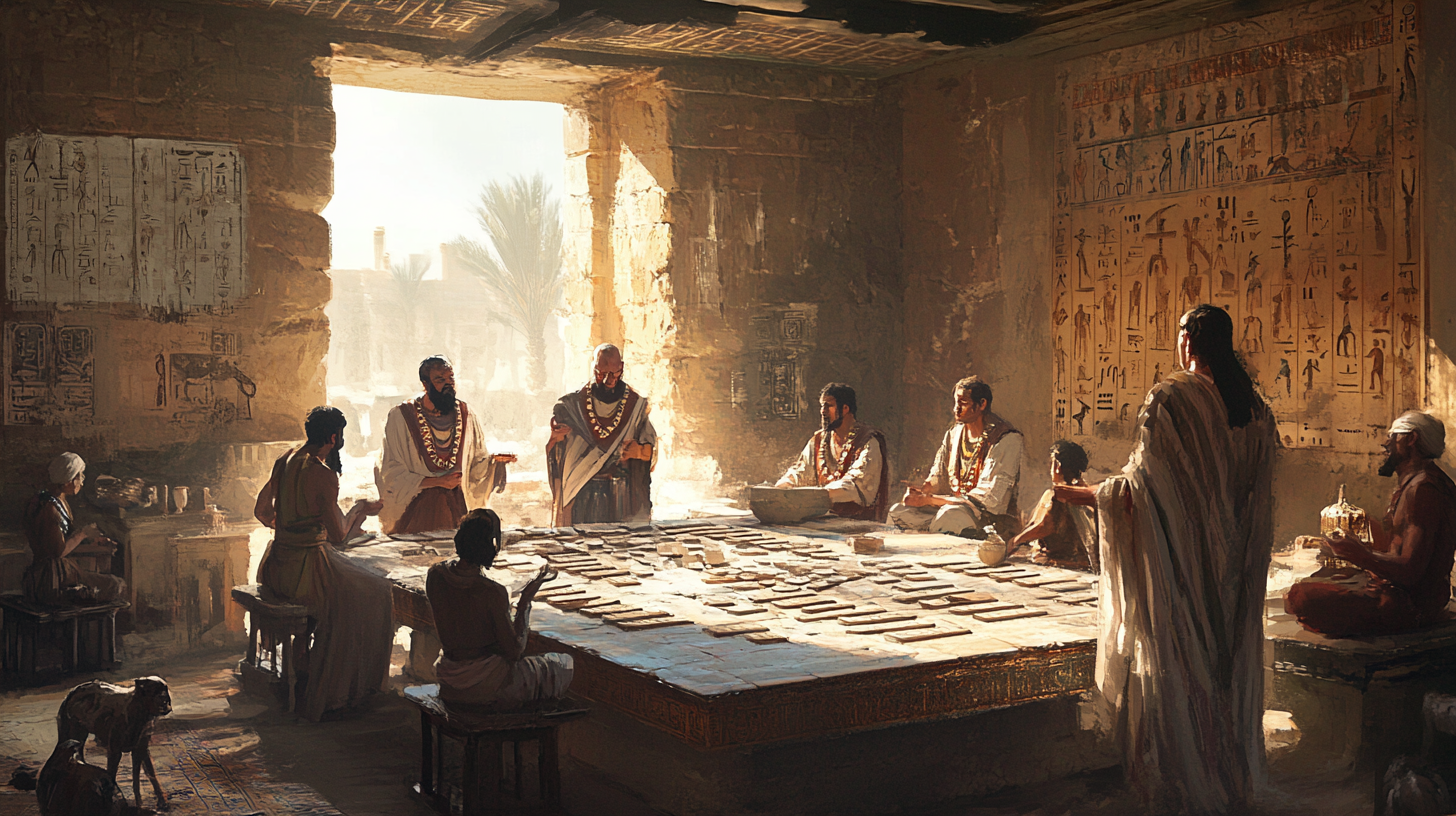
(122, 720)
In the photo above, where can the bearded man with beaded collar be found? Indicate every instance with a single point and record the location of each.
(846, 457)
(974, 479)
(435, 465)
(600, 455)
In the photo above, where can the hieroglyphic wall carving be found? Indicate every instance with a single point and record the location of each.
(152, 222)
(49, 374)
(1270, 167)
(783, 337)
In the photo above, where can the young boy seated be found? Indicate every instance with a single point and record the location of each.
(484, 664)
(1065, 535)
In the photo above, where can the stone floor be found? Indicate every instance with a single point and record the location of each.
(361, 763)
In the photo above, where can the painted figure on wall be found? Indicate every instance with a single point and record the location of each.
(602, 448)
(846, 457)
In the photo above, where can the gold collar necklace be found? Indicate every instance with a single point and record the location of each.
(614, 420)
(437, 460)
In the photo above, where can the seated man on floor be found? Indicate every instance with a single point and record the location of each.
(973, 481)
(845, 457)
(484, 663)
(53, 577)
(350, 607)
(1406, 579)
(1065, 534)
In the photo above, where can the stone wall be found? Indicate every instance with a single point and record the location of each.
(978, 204)
(752, 243)
(185, 72)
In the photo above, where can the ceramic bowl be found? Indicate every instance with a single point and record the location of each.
(787, 505)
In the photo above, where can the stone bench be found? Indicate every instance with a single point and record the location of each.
(82, 637)
(1356, 701)
(278, 638)
(484, 736)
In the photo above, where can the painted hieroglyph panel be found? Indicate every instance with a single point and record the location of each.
(99, 220)
(1274, 175)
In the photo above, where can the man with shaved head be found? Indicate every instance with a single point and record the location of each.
(1404, 581)
(600, 454)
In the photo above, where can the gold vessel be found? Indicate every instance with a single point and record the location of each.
(1348, 519)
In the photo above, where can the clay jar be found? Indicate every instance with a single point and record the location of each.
(992, 552)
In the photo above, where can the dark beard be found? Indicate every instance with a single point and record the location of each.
(335, 460)
(608, 395)
(831, 426)
(1393, 461)
(444, 401)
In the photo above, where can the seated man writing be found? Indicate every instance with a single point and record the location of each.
(1065, 534)
(973, 480)
(484, 662)
(53, 577)
(1406, 581)
(845, 457)
(349, 605)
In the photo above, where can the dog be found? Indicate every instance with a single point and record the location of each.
(122, 719)
(69, 787)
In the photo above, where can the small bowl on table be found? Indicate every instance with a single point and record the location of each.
(787, 505)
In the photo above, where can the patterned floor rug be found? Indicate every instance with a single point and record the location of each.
(211, 769)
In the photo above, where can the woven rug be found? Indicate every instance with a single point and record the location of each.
(212, 769)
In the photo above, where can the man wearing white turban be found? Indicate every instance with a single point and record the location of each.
(53, 577)
(1405, 581)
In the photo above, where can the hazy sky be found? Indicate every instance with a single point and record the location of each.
(414, 164)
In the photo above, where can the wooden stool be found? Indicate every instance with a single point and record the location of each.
(84, 636)
(274, 627)
(491, 731)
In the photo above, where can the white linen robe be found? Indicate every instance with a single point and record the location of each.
(402, 469)
(1186, 536)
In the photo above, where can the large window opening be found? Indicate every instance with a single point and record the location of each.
(412, 173)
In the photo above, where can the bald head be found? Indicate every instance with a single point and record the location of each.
(607, 372)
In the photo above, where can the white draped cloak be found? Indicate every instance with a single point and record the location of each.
(584, 458)
(1186, 535)
(402, 469)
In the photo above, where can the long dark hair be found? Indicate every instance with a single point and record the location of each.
(1211, 339)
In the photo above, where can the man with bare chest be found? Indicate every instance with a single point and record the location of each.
(1405, 581)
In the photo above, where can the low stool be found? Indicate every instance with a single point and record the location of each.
(78, 638)
(485, 735)
(278, 638)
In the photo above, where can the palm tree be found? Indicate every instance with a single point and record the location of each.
(519, 262)
(407, 277)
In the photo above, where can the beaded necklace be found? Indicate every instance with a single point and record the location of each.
(614, 420)
(966, 473)
(849, 445)
(437, 459)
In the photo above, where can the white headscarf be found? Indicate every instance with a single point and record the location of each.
(1430, 432)
(66, 467)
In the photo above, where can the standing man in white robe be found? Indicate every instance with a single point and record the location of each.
(600, 455)
(1186, 536)
(435, 465)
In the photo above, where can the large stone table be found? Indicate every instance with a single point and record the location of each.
(824, 677)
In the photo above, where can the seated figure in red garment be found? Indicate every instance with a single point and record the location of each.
(1406, 578)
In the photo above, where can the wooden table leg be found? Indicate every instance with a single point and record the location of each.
(550, 764)
(75, 644)
(288, 670)
(427, 758)
(491, 785)
(470, 783)
(516, 749)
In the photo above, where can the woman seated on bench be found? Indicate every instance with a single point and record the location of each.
(53, 577)
(484, 662)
